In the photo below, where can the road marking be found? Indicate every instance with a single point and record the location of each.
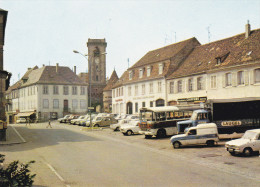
(57, 174)
(18, 134)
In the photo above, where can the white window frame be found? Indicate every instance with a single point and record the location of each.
(257, 75)
(55, 103)
(228, 79)
(179, 86)
(45, 103)
(143, 89)
(241, 77)
(171, 87)
(213, 81)
(159, 83)
(151, 87)
(190, 84)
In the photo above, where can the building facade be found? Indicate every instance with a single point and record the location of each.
(46, 93)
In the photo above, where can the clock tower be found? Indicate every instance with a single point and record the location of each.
(97, 69)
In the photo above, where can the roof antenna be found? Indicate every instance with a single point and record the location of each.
(208, 28)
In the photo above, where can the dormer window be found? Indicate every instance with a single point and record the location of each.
(141, 72)
(160, 68)
(218, 61)
(149, 71)
(222, 58)
(130, 75)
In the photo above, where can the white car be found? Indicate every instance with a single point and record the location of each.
(131, 128)
(121, 122)
(21, 120)
(76, 121)
(249, 143)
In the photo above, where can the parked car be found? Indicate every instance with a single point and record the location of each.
(73, 121)
(86, 120)
(21, 120)
(117, 126)
(63, 120)
(104, 121)
(131, 128)
(201, 134)
(73, 116)
(249, 143)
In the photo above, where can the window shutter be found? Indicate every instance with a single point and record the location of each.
(175, 87)
(195, 83)
(246, 77)
(224, 80)
(187, 85)
(252, 76)
(234, 79)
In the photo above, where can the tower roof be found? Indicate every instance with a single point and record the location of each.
(112, 80)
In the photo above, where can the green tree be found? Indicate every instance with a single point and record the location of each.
(15, 174)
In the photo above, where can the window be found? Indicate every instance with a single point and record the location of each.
(74, 103)
(143, 89)
(148, 71)
(240, 78)
(213, 83)
(140, 73)
(136, 107)
(45, 89)
(129, 91)
(171, 87)
(257, 75)
(55, 103)
(143, 104)
(65, 90)
(159, 87)
(74, 90)
(190, 85)
(55, 90)
(192, 132)
(130, 75)
(82, 90)
(96, 77)
(179, 84)
(151, 87)
(199, 83)
(114, 92)
(136, 89)
(83, 104)
(45, 103)
(122, 91)
(151, 103)
(160, 68)
(228, 79)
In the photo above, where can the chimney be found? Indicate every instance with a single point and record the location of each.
(57, 67)
(75, 69)
(43, 65)
(247, 29)
(29, 69)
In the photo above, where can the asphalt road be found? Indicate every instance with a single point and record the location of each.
(67, 156)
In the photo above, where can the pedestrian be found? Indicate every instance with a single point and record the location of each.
(28, 121)
(49, 124)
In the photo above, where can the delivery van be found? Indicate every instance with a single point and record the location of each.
(201, 134)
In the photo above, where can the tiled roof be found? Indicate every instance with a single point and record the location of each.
(170, 56)
(48, 75)
(112, 80)
(236, 50)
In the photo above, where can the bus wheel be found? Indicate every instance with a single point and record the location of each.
(148, 136)
(129, 133)
(210, 143)
(247, 151)
(176, 145)
(161, 133)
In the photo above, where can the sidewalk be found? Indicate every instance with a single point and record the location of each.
(12, 136)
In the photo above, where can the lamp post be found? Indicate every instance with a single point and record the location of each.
(89, 73)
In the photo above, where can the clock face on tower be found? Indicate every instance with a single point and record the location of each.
(97, 60)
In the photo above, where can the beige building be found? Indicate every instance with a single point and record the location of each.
(107, 92)
(47, 92)
(144, 84)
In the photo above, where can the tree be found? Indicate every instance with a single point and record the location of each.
(15, 174)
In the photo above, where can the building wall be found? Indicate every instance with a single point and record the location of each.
(107, 100)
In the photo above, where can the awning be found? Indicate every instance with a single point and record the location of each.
(25, 114)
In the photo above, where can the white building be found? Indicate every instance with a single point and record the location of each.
(47, 92)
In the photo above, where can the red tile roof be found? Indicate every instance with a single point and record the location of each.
(112, 80)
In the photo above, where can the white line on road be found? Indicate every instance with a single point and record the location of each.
(19, 134)
(57, 174)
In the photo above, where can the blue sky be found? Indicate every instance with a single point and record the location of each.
(47, 31)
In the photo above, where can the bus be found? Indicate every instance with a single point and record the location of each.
(162, 121)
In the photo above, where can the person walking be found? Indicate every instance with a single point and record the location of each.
(49, 124)
(28, 121)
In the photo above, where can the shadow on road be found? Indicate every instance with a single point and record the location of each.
(40, 137)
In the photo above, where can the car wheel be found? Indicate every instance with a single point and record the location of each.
(161, 133)
(117, 129)
(210, 143)
(176, 145)
(247, 151)
(148, 136)
(96, 125)
(129, 133)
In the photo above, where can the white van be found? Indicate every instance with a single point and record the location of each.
(201, 134)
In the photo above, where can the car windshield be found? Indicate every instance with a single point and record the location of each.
(249, 135)
(146, 115)
(98, 118)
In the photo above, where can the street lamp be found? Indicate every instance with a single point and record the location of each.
(89, 72)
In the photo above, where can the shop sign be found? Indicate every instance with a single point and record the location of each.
(193, 99)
